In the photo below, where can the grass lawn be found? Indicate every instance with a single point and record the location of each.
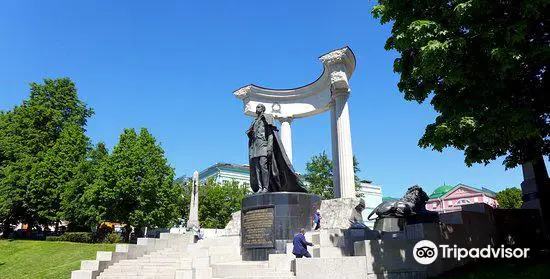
(44, 259)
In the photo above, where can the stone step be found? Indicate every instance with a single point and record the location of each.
(222, 239)
(148, 266)
(164, 259)
(148, 262)
(256, 274)
(168, 255)
(140, 268)
(252, 264)
(140, 273)
(160, 259)
(136, 277)
(246, 269)
(143, 264)
(327, 252)
(227, 258)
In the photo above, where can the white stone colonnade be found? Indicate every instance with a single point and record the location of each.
(329, 92)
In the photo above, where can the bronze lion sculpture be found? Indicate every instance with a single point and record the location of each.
(414, 202)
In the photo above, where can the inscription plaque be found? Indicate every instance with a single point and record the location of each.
(258, 227)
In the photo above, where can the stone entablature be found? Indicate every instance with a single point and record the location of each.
(311, 99)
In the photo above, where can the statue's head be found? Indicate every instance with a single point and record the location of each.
(361, 206)
(260, 109)
(416, 195)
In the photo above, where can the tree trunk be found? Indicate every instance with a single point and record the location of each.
(6, 228)
(536, 191)
(126, 231)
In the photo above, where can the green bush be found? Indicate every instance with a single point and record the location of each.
(86, 237)
(53, 238)
(112, 238)
(82, 237)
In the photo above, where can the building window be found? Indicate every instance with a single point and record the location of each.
(475, 199)
(463, 201)
(434, 204)
(450, 203)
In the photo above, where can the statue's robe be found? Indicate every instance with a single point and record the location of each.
(282, 177)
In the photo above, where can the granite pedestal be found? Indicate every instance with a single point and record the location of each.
(395, 224)
(271, 220)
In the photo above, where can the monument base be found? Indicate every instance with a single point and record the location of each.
(390, 224)
(271, 220)
(395, 224)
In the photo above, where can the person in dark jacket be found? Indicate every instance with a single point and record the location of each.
(300, 245)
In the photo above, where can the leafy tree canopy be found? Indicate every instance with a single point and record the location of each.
(41, 143)
(217, 202)
(485, 62)
(135, 185)
(319, 175)
(509, 198)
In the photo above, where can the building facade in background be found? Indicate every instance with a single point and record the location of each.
(372, 194)
(223, 173)
(448, 198)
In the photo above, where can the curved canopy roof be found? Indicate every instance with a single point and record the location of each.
(303, 101)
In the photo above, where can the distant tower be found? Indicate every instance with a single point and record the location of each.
(194, 205)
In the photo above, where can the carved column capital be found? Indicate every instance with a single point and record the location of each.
(333, 57)
(339, 81)
(339, 93)
(287, 119)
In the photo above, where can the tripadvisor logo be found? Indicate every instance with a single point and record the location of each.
(426, 252)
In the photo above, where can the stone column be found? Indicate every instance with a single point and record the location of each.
(194, 204)
(286, 136)
(337, 64)
(334, 142)
(346, 174)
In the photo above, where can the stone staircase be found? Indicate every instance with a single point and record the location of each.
(163, 264)
(173, 257)
(249, 270)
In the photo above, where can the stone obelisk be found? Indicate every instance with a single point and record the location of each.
(194, 205)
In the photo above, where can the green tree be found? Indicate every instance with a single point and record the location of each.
(509, 198)
(135, 185)
(483, 64)
(75, 208)
(319, 173)
(217, 203)
(186, 186)
(57, 173)
(28, 133)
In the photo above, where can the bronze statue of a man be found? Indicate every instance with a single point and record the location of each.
(260, 147)
(270, 168)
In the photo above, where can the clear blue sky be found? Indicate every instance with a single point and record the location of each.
(171, 67)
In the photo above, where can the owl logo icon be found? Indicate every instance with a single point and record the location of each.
(425, 252)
